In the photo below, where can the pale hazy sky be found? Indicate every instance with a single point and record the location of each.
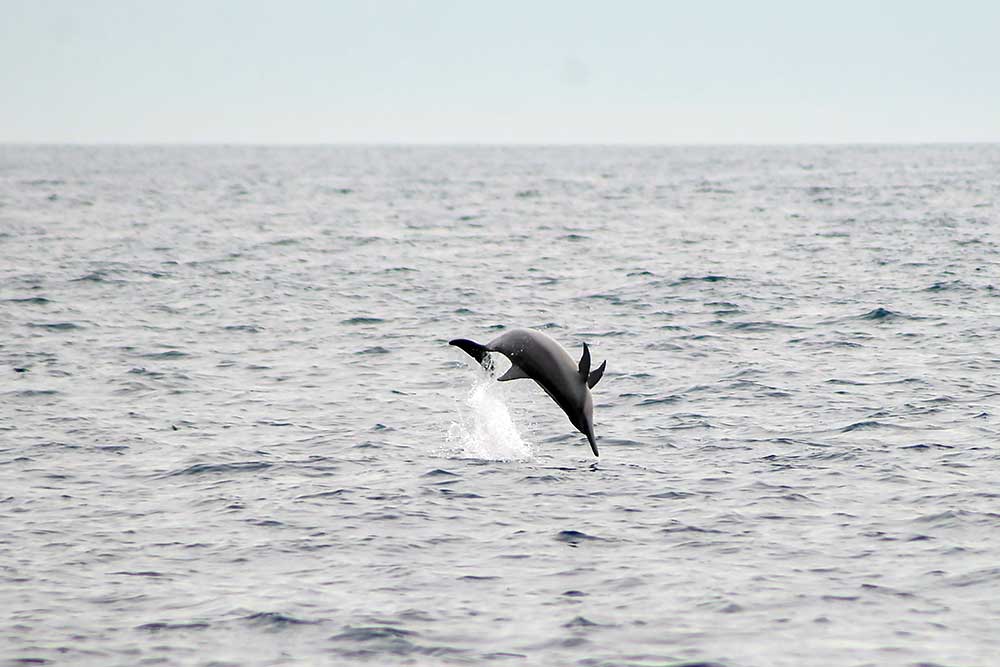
(616, 71)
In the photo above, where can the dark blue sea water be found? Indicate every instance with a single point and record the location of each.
(232, 431)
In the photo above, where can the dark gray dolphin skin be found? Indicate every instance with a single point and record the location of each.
(536, 356)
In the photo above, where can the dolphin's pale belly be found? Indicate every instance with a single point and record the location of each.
(562, 400)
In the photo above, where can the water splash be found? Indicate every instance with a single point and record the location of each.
(485, 429)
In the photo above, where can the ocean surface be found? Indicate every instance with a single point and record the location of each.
(232, 431)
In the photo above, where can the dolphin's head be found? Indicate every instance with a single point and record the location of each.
(585, 420)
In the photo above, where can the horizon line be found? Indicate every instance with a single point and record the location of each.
(492, 144)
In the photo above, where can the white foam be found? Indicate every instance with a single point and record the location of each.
(485, 429)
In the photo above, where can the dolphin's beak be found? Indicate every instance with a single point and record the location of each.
(593, 443)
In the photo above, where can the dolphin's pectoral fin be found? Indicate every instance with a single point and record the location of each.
(596, 376)
(585, 363)
(474, 350)
(515, 372)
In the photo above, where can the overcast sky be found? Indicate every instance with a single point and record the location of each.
(264, 71)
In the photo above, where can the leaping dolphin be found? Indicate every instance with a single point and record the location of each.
(536, 356)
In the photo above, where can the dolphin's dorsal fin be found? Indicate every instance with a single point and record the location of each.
(596, 376)
(585, 363)
(515, 372)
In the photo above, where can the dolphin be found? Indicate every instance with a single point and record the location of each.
(536, 356)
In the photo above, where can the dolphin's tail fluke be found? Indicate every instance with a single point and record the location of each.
(474, 350)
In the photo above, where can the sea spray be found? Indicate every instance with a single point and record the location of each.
(485, 429)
